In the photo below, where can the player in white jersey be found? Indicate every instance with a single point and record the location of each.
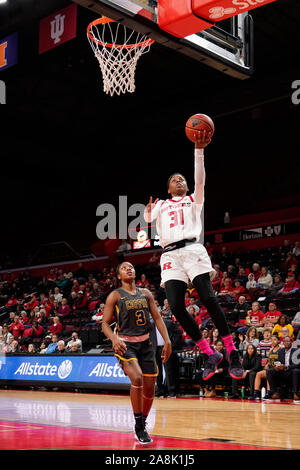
(184, 258)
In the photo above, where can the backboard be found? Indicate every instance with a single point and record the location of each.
(227, 47)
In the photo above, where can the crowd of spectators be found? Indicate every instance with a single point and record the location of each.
(259, 292)
(34, 311)
(261, 301)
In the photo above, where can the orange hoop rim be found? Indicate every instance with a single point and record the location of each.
(104, 20)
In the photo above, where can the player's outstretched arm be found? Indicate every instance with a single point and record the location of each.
(203, 140)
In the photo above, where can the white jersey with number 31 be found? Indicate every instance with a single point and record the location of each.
(177, 219)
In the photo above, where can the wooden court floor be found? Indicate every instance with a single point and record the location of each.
(64, 420)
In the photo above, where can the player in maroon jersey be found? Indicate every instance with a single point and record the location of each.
(131, 343)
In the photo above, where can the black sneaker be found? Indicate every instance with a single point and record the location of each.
(268, 395)
(235, 368)
(255, 396)
(142, 436)
(210, 367)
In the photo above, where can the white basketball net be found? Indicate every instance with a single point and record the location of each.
(117, 61)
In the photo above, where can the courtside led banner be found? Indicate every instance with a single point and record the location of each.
(8, 51)
(58, 28)
(85, 368)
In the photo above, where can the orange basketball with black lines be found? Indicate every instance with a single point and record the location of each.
(198, 122)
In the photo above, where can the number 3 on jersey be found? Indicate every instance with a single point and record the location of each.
(140, 318)
(176, 218)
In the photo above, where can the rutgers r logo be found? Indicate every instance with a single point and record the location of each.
(167, 266)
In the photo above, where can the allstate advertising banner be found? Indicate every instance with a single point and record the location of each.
(89, 369)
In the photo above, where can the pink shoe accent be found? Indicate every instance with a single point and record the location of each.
(229, 344)
(204, 346)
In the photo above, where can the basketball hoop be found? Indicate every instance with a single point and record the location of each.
(117, 61)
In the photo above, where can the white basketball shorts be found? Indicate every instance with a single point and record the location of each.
(185, 263)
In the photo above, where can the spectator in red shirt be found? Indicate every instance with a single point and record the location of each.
(24, 317)
(217, 280)
(17, 328)
(271, 316)
(238, 289)
(12, 301)
(143, 282)
(253, 318)
(56, 327)
(226, 292)
(224, 277)
(291, 286)
(204, 316)
(33, 303)
(81, 301)
(37, 329)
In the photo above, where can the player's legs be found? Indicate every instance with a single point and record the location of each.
(148, 394)
(175, 291)
(149, 369)
(207, 296)
(203, 286)
(133, 371)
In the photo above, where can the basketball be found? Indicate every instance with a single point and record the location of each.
(198, 122)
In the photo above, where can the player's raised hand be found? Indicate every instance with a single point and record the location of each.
(203, 139)
(150, 206)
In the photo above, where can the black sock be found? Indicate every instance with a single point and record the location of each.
(208, 298)
(175, 291)
(144, 418)
(139, 422)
